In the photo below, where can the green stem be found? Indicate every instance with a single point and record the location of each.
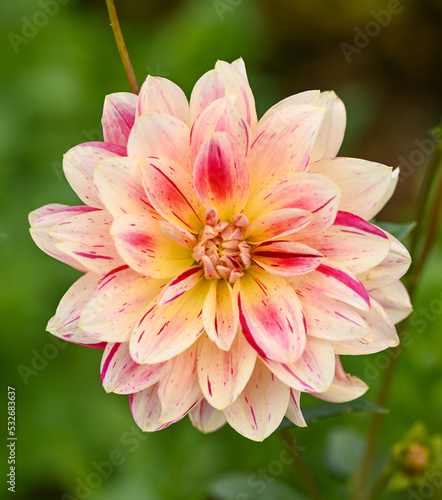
(113, 17)
(303, 471)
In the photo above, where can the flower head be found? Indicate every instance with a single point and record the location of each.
(228, 261)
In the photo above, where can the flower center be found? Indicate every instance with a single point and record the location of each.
(221, 248)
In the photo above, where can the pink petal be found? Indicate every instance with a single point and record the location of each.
(363, 183)
(224, 374)
(146, 409)
(170, 190)
(225, 79)
(311, 192)
(141, 243)
(166, 331)
(79, 164)
(352, 242)
(205, 418)
(43, 219)
(179, 390)
(312, 372)
(278, 224)
(118, 117)
(381, 336)
(220, 116)
(178, 234)
(344, 387)
(65, 322)
(117, 304)
(260, 408)
(159, 95)
(120, 374)
(220, 314)
(160, 135)
(271, 316)
(221, 175)
(180, 284)
(86, 238)
(119, 184)
(286, 258)
(294, 413)
(395, 301)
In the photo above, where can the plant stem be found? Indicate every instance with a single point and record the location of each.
(303, 471)
(115, 23)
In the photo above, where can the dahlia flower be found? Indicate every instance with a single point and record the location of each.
(228, 262)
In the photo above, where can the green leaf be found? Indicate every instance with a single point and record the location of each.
(253, 486)
(400, 231)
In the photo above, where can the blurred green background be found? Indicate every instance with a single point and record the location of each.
(56, 68)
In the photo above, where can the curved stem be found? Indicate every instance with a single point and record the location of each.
(113, 17)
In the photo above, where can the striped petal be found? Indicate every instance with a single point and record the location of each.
(118, 117)
(271, 316)
(286, 258)
(159, 95)
(312, 372)
(344, 387)
(260, 408)
(381, 336)
(221, 175)
(179, 390)
(119, 184)
(43, 219)
(363, 183)
(120, 374)
(178, 234)
(220, 314)
(206, 418)
(180, 285)
(160, 135)
(170, 190)
(79, 164)
(166, 331)
(294, 413)
(86, 238)
(141, 243)
(225, 79)
(395, 301)
(222, 374)
(277, 224)
(352, 242)
(146, 409)
(117, 304)
(64, 324)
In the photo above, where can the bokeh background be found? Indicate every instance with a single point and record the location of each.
(56, 67)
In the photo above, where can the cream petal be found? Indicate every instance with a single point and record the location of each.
(294, 413)
(181, 284)
(146, 409)
(206, 418)
(395, 301)
(118, 117)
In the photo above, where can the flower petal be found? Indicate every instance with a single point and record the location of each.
(381, 336)
(363, 183)
(312, 372)
(344, 387)
(181, 284)
(260, 408)
(79, 165)
(395, 301)
(64, 324)
(206, 418)
(294, 413)
(352, 242)
(117, 304)
(160, 135)
(120, 374)
(220, 314)
(178, 234)
(118, 117)
(142, 245)
(159, 95)
(225, 79)
(286, 258)
(271, 316)
(179, 390)
(146, 409)
(221, 175)
(224, 374)
(43, 219)
(165, 331)
(170, 190)
(119, 184)
(277, 224)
